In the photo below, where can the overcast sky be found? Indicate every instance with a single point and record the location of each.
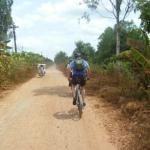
(49, 26)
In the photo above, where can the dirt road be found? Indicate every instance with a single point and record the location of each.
(39, 115)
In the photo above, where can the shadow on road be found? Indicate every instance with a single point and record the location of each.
(61, 91)
(71, 114)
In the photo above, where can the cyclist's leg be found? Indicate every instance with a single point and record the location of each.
(73, 90)
(83, 92)
(83, 82)
(39, 71)
(43, 71)
(70, 81)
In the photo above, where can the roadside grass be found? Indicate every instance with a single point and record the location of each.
(118, 87)
(122, 91)
(18, 67)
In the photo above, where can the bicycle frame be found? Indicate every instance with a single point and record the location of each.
(79, 101)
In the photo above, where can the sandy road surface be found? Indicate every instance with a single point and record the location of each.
(39, 115)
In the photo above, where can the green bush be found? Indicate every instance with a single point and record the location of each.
(17, 67)
(95, 68)
(119, 67)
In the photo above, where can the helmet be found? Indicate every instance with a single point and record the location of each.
(77, 55)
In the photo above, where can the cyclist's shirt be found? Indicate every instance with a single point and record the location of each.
(77, 72)
(41, 68)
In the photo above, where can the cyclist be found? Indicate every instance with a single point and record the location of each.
(41, 69)
(80, 70)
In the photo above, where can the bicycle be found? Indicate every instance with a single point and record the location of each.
(78, 97)
(41, 69)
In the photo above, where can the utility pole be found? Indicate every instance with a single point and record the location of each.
(14, 34)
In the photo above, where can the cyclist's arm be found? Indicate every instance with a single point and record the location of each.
(68, 72)
(87, 69)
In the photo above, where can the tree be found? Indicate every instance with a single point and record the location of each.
(87, 51)
(61, 57)
(106, 45)
(128, 31)
(118, 7)
(5, 18)
(144, 7)
(107, 42)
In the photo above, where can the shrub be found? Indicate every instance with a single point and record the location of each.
(17, 67)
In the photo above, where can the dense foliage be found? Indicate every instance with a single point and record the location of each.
(87, 51)
(144, 7)
(107, 42)
(5, 18)
(17, 67)
(60, 58)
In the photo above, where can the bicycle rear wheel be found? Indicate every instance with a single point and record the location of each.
(80, 105)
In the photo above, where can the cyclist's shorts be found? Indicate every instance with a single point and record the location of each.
(70, 75)
(79, 80)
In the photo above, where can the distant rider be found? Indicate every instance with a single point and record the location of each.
(41, 69)
(79, 68)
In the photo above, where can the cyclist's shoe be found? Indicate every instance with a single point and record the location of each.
(84, 104)
(74, 101)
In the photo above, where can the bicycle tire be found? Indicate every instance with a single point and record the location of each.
(79, 101)
(80, 106)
